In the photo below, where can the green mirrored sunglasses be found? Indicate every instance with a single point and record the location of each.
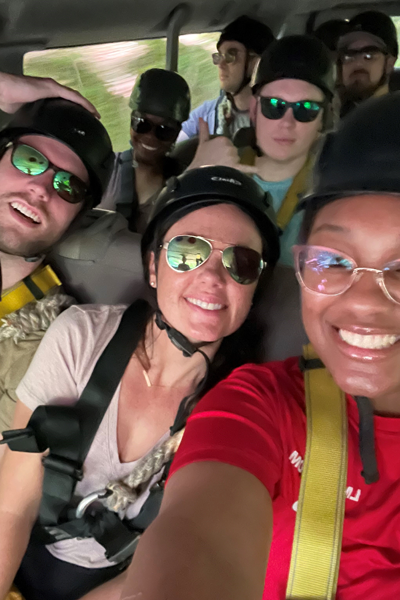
(30, 161)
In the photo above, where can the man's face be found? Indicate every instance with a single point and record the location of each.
(286, 139)
(231, 74)
(364, 72)
(32, 215)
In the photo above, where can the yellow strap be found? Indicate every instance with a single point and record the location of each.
(14, 594)
(298, 187)
(19, 295)
(317, 542)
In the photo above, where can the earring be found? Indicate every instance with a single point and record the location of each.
(153, 283)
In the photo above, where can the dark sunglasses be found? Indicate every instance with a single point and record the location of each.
(304, 111)
(368, 54)
(30, 161)
(188, 252)
(164, 133)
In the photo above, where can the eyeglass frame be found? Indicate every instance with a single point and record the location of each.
(355, 274)
(222, 56)
(154, 127)
(164, 245)
(13, 144)
(356, 53)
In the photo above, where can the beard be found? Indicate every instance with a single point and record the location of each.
(11, 243)
(360, 89)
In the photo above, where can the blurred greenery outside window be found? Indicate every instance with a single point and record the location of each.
(106, 73)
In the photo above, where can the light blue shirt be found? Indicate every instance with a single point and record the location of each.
(278, 191)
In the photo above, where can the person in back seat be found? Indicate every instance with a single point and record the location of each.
(160, 102)
(227, 521)
(293, 88)
(216, 219)
(238, 49)
(367, 54)
(56, 159)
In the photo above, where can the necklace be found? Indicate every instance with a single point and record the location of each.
(147, 378)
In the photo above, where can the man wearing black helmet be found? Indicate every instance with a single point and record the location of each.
(293, 88)
(160, 102)
(367, 54)
(56, 159)
(239, 47)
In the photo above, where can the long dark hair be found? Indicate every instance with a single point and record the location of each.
(243, 346)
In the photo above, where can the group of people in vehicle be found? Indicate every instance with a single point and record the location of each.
(94, 413)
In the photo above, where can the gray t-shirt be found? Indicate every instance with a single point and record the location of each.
(58, 374)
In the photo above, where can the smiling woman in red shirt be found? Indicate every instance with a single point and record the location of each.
(225, 530)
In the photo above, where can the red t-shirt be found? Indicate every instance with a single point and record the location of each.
(256, 420)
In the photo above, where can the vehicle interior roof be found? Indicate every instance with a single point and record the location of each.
(58, 23)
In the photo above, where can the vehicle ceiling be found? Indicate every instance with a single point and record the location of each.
(57, 23)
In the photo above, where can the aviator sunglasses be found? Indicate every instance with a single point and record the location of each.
(188, 252)
(367, 54)
(30, 161)
(304, 111)
(164, 133)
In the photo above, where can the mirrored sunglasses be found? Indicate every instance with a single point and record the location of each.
(304, 111)
(331, 273)
(188, 252)
(30, 161)
(164, 133)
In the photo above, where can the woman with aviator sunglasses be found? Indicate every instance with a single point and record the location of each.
(204, 252)
(229, 512)
(160, 102)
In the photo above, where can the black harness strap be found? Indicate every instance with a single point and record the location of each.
(69, 431)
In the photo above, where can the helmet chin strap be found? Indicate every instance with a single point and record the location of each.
(179, 340)
(188, 349)
(245, 81)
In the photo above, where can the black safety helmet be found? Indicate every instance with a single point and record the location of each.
(362, 157)
(215, 185)
(297, 57)
(254, 36)
(72, 125)
(375, 23)
(161, 93)
(331, 31)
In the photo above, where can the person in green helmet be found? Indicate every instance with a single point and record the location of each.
(160, 102)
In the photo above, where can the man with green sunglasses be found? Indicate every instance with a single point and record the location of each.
(292, 92)
(55, 162)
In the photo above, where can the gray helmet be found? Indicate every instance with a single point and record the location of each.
(301, 57)
(72, 125)
(214, 185)
(161, 93)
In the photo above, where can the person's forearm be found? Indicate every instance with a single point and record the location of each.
(14, 539)
(173, 561)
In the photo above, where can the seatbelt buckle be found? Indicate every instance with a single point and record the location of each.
(63, 466)
(127, 551)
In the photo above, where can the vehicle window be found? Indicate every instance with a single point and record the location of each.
(105, 73)
(396, 21)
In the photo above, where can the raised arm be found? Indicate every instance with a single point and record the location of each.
(210, 541)
(16, 90)
(20, 492)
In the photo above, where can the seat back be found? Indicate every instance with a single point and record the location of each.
(101, 263)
